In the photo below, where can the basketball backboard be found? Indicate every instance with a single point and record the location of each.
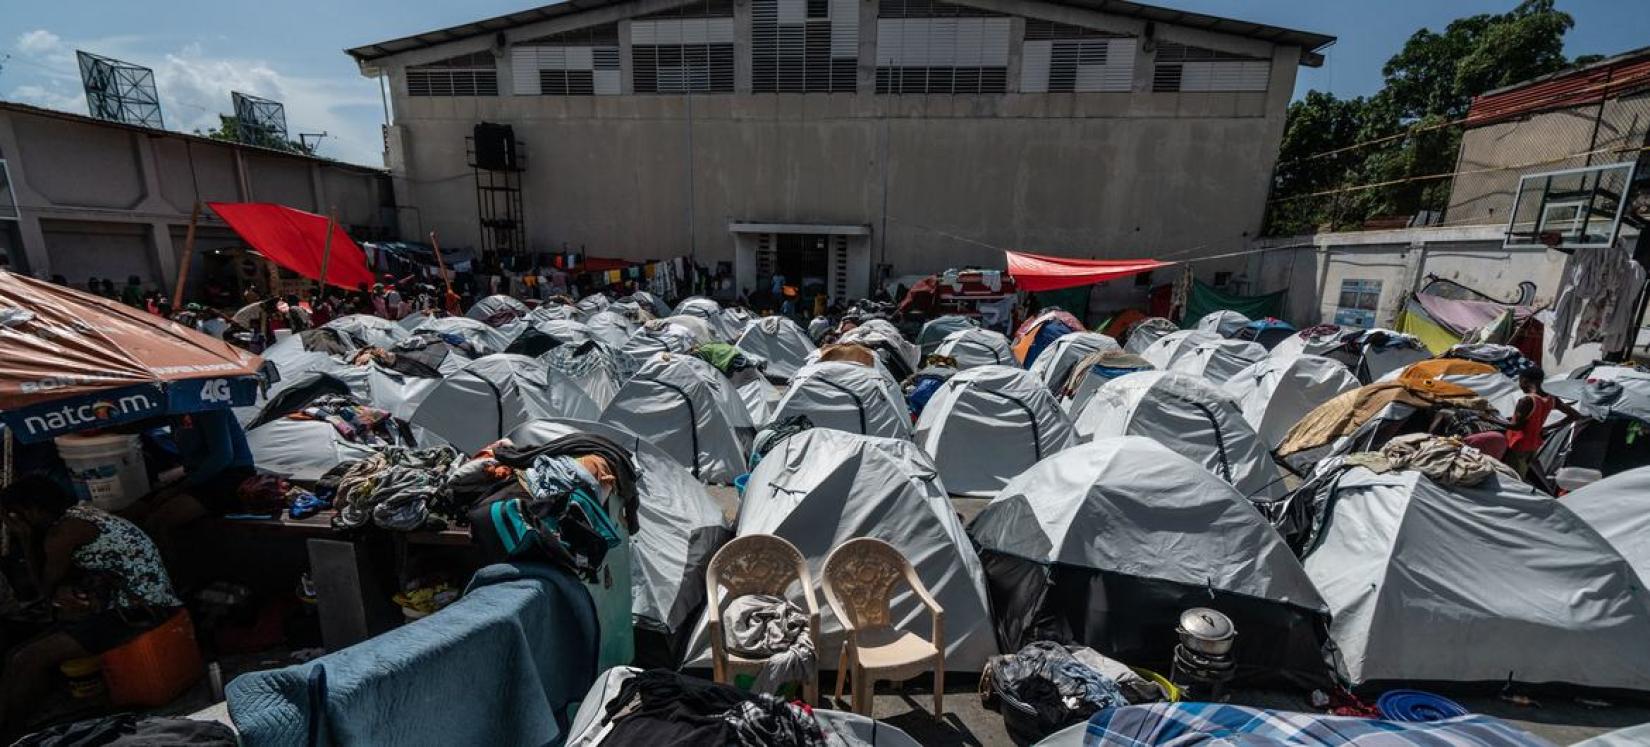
(1570, 209)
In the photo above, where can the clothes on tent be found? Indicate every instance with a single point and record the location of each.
(1506, 358)
(1448, 461)
(355, 422)
(769, 437)
(617, 458)
(1597, 300)
(775, 630)
(922, 385)
(393, 489)
(1219, 723)
(133, 730)
(727, 358)
(659, 707)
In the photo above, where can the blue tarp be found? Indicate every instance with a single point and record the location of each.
(501, 666)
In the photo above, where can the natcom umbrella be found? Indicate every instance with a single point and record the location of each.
(70, 361)
(298, 241)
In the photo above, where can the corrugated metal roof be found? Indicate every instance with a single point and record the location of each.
(1617, 76)
(1311, 44)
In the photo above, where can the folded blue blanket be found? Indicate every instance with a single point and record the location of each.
(501, 666)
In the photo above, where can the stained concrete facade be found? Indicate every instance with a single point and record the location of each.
(107, 200)
(926, 181)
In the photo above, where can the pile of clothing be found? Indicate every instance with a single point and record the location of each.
(392, 489)
(775, 630)
(1061, 685)
(770, 436)
(660, 707)
(728, 359)
(1443, 459)
(1506, 358)
(355, 422)
(921, 386)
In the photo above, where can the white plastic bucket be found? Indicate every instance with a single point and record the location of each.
(107, 470)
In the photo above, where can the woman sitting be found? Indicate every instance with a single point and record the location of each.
(99, 576)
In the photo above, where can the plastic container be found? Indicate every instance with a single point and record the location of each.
(84, 677)
(154, 668)
(107, 470)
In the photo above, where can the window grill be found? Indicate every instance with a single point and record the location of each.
(581, 62)
(688, 48)
(926, 46)
(1059, 58)
(466, 75)
(1193, 69)
(804, 46)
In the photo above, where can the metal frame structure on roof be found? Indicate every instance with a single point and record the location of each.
(120, 91)
(1311, 44)
(259, 121)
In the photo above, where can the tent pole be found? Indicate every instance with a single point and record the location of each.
(439, 265)
(188, 253)
(326, 246)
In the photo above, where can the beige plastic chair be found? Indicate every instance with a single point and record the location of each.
(755, 564)
(859, 583)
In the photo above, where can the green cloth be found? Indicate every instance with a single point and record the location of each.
(1074, 300)
(1205, 300)
(718, 354)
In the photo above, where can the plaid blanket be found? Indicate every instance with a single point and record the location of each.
(1211, 724)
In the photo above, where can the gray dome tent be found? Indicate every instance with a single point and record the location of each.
(1093, 371)
(1106, 544)
(484, 339)
(1224, 323)
(1218, 360)
(1275, 393)
(848, 397)
(722, 328)
(934, 331)
(1053, 365)
(689, 409)
(976, 347)
(301, 450)
(681, 528)
(1473, 584)
(1143, 333)
(822, 487)
(365, 330)
(1617, 508)
(1190, 416)
(660, 336)
(985, 425)
(611, 327)
(493, 395)
(780, 342)
(497, 309)
(1169, 348)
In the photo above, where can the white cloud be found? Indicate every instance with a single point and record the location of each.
(38, 42)
(53, 97)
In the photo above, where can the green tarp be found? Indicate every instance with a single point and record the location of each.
(1205, 300)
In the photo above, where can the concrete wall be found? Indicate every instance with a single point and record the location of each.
(942, 180)
(1494, 156)
(103, 200)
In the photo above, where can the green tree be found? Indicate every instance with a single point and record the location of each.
(1429, 84)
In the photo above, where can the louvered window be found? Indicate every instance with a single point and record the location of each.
(582, 62)
(766, 263)
(924, 46)
(1059, 58)
(689, 48)
(1183, 68)
(802, 46)
(466, 75)
(839, 267)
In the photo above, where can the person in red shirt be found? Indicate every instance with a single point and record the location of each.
(1526, 435)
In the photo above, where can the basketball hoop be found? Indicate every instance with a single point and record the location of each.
(1552, 239)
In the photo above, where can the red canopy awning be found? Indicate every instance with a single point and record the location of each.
(296, 240)
(1035, 272)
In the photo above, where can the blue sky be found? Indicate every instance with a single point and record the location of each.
(293, 53)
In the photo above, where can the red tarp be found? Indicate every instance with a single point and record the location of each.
(296, 240)
(1035, 272)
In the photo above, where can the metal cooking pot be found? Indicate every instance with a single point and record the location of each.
(1206, 631)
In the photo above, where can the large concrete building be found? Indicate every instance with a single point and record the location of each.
(842, 139)
(83, 197)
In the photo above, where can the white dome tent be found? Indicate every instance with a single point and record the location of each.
(1143, 333)
(934, 331)
(972, 348)
(1474, 584)
(660, 336)
(822, 487)
(301, 450)
(780, 342)
(721, 327)
(486, 340)
(1275, 393)
(1171, 347)
(1053, 366)
(1617, 509)
(1107, 543)
(986, 425)
(593, 303)
(493, 395)
(1190, 416)
(847, 397)
(1217, 360)
(599, 370)
(1093, 371)
(681, 528)
(875, 333)
(1224, 323)
(686, 407)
